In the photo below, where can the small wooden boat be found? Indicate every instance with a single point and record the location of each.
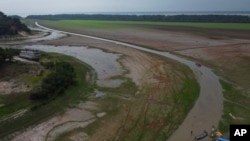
(201, 136)
(30, 54)
(198, 64)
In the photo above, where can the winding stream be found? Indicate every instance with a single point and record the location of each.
(208, 108)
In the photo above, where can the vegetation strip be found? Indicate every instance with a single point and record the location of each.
(73, 24)
(156, 18)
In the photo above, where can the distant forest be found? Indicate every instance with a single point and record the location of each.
(155, 18)
(11, 26)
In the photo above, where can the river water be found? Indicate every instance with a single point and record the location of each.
(207, 110)
(105, 64)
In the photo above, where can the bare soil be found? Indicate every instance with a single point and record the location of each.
(13, 86)
(11, 77)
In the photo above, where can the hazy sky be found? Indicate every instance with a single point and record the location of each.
(26, 7)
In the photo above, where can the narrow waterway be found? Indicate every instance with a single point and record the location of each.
(208, 108)
(105, 64)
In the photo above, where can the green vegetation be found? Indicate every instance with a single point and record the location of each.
(11, 26)
(76, 24)
(236, 109)
(155, 18)
(61, 77)
(37, 111)
(7, 55)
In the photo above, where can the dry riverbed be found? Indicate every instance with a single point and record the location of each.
(152, 74)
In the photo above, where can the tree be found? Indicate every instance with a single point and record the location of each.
(11, 26)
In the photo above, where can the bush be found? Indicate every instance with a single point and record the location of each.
(61, 77)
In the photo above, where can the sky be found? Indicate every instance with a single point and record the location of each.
(34, 7)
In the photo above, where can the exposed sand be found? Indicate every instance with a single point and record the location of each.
(8, 87)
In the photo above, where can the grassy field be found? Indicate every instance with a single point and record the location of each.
(69, 24)
(44, 110)
(236, 107)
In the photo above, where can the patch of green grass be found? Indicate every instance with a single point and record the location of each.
(241, 114)
(69, 24)
(236, 104)
(13, 103)
(226, 86)
(126, 89)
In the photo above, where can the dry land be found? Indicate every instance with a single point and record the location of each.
(157, 93)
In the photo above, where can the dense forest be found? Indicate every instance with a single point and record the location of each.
(157, 18)
(11, 25)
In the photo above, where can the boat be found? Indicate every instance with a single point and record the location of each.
(202, 135)
(198, 64)
(30, 54)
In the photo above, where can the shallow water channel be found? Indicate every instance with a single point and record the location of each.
(105, 64)
(207, 110)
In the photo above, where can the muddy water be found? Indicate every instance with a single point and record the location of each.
(207, 110)
(51, 36)
(105, 64)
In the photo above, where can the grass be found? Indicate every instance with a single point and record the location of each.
(126, 89)
(44, 110)
(13, 103)
(95, 24)
(236, 104)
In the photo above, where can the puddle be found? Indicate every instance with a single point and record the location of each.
(105, 64)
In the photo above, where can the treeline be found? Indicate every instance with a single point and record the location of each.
(7, 54)
(11, 26)
(61, 77)
(156, 18)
